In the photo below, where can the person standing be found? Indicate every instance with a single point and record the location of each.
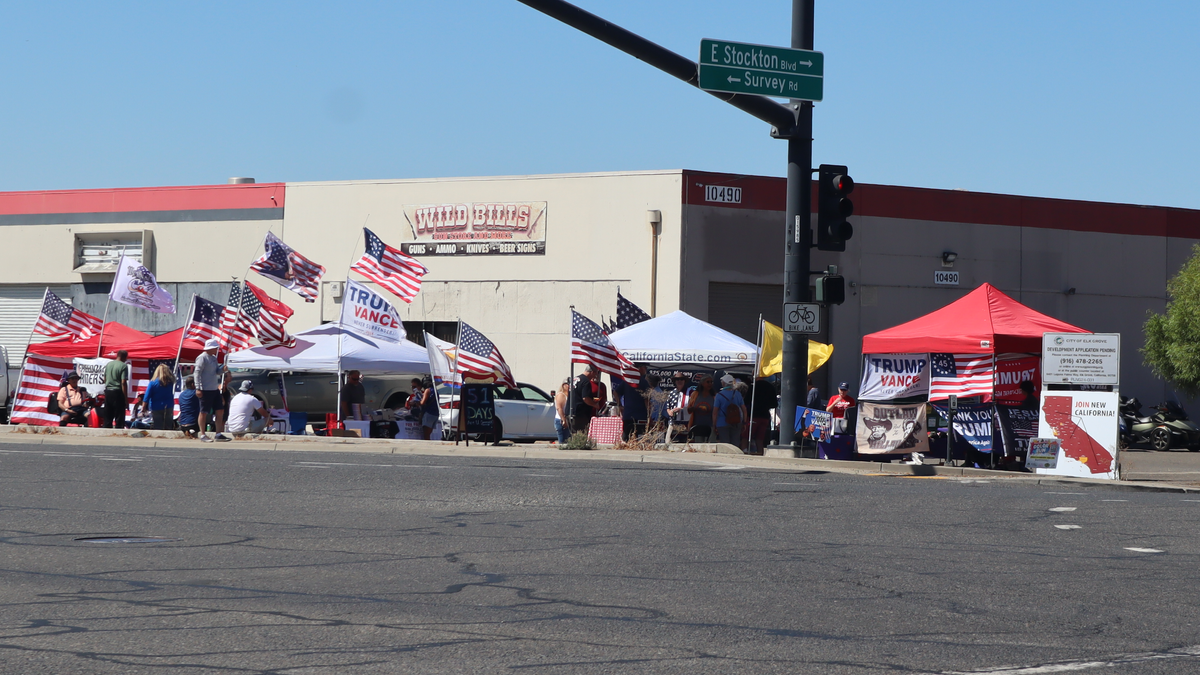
(429, 408)
(729, 409)
(160, 397)
(560, 411)
(208, 382)
(814, 396)
(839, 404)
(700, 408)
(677, 407)
(841, 401)
(586, 404)
(762, 401)
(631, 401)
(354, 396)
(116, 382)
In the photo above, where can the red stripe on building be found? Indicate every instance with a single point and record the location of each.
(956, 206)
(120, 200)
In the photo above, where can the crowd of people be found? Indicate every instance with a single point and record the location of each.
(691, 409)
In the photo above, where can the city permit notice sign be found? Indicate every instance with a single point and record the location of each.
(1081, 358)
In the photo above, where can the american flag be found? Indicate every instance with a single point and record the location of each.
(58, 319)
(590, 345)
(267, 316)
(628, 313)
(478, 359)
(960, 374)
(205, 322)
(236, 327)
(39, 379)
(280, 263)
(390, 268)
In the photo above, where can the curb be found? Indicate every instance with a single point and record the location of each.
(720, 456)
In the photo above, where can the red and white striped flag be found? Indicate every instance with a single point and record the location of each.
(389, 267)
(58, 319)
(480, 360)
(41, 377)
(236, 327)
(590, 345)
(961, 375)
(281, 264)
(267, 316)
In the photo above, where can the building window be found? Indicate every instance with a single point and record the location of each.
(98, 252)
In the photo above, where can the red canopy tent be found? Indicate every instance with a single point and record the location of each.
(984, 321)
(164, 346)
(116, 336)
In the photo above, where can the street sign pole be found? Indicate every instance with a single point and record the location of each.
(798, 238)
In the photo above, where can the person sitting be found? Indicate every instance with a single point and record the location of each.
(72, 401)
(189, 408)
(245, 411)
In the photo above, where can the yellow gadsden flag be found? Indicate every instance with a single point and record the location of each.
(771, 358)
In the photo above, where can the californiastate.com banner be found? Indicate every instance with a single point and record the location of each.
(891, 376)
(891, 428)
(367, 313)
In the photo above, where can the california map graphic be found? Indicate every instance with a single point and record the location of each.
(1074, 441)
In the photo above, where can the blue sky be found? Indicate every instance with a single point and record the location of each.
(1078, 100)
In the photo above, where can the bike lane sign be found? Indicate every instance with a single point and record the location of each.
(801, 317)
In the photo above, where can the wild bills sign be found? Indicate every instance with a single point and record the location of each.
(890, 376)
(476, 228)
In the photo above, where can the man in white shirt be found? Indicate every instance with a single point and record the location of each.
(245, 411)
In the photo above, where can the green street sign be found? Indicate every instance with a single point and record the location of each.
(740, 68)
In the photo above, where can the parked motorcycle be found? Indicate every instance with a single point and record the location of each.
(1169, 426)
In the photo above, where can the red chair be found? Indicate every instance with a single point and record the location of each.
(332, 422)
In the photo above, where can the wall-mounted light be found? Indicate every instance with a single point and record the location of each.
(948, 258)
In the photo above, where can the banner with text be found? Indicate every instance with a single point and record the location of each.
(972, 423)
(476, 228)
(91, 374)
(1085, 424)
(1011, 371)
(891, 376)
(369, 314)
(891, 428)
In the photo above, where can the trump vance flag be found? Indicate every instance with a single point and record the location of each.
(281, 264)
(390, 268)
(58, 319)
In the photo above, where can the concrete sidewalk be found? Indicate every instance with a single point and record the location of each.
(1163, 471)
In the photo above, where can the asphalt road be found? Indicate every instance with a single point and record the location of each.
(294, 562)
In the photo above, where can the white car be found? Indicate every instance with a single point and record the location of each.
(522, 414)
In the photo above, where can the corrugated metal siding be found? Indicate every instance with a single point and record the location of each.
(19, 309)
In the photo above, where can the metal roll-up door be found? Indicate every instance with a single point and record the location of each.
(735, 307)
(19, 309)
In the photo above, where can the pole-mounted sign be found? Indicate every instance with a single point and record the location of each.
(740, 68)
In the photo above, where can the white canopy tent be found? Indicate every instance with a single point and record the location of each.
(316, 350)
(679, 339)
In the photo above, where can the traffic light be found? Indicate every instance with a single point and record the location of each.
(831, 289)
(833, 208)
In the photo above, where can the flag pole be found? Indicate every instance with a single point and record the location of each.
(341, 327)
(571, 392)
(25, 356)
(462, 419)
(183, 331)
(104, 321)
(754, 384)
